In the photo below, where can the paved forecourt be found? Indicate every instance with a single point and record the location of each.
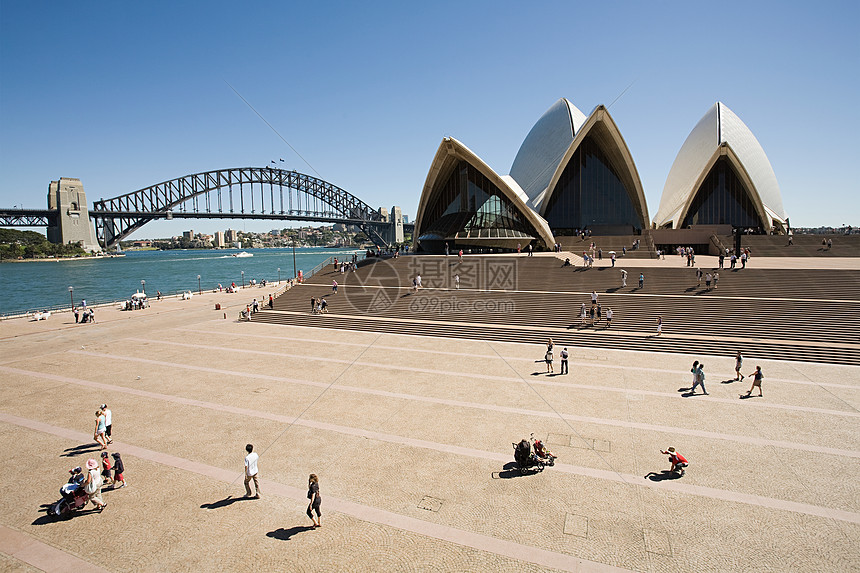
(411, 437)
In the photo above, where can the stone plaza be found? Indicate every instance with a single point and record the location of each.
(411, 438)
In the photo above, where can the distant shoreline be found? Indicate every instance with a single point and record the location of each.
(58, 259)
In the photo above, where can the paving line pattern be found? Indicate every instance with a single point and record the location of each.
(381, 365)
(714, 493)
(42, 556)
(573, 363)
(475, 405)
(510, 549)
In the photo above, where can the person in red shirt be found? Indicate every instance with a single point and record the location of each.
(678, 461)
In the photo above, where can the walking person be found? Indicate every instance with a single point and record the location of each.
(739, 361)
(593, 297)
(108, 422)
(457, 282)
(271, 301)
(608, 317)
(708, 279)
(757, 378)
(564, 355)
(623, 278)
(659, 325)
(599, 313)
(93, 484)
(641, 280)
(118, 469)
(315, 499)
(460, 256)
(106, 469)
(582, 314)
(77, 314)
(251, 472)
(694, 371)
(548, 356)
(333, 287)
(699, 380)
(99, 432)
(716, 280)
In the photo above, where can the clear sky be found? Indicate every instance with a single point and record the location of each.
(124, 95)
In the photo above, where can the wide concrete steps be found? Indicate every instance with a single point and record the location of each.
(803, 245)
(541, 274)
(752, 350)
(753, 310)
(609, 243)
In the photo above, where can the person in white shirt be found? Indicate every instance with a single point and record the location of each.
(251, 472)
(108, 422)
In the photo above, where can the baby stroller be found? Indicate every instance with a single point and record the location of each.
(74, 496)
(526, 460)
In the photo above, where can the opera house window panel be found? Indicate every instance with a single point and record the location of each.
(722, 199)
(590, 193)
(470, 210)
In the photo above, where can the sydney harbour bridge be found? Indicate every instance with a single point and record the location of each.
(236, 193)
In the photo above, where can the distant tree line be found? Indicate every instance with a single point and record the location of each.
(15, 244)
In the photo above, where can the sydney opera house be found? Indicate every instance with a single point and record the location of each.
(575, 173)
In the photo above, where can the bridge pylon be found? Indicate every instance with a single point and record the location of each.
(73, 224)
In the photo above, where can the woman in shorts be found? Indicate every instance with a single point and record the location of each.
(757, 378)
(101, 428)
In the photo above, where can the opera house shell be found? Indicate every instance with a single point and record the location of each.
(572, 172)
(722, 176)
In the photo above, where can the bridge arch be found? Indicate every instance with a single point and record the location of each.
(281, 194)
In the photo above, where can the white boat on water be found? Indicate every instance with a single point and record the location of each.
(243, 254)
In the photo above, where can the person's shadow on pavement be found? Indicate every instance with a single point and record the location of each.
(286, 534)
(662, 476)
(229, 500)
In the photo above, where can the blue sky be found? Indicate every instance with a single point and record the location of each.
(126, 95)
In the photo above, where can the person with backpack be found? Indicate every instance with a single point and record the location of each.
(548, 356)
(757, 378)
(564, 356)
(93, 484)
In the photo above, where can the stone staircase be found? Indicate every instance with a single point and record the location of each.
(608, 243)
(807, 315)
(804, 245)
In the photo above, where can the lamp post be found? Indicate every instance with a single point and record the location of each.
(72, 296)
(243, 279)
(199, 291)
(279, 275)
(143, 286)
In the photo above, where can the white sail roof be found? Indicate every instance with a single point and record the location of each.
(718, 127)
(544, 147)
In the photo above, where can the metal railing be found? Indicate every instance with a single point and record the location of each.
(327, 262)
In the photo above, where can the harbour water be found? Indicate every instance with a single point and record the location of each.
(43, 285)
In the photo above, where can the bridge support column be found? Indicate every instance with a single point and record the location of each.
(67, 197)
(396, 218)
